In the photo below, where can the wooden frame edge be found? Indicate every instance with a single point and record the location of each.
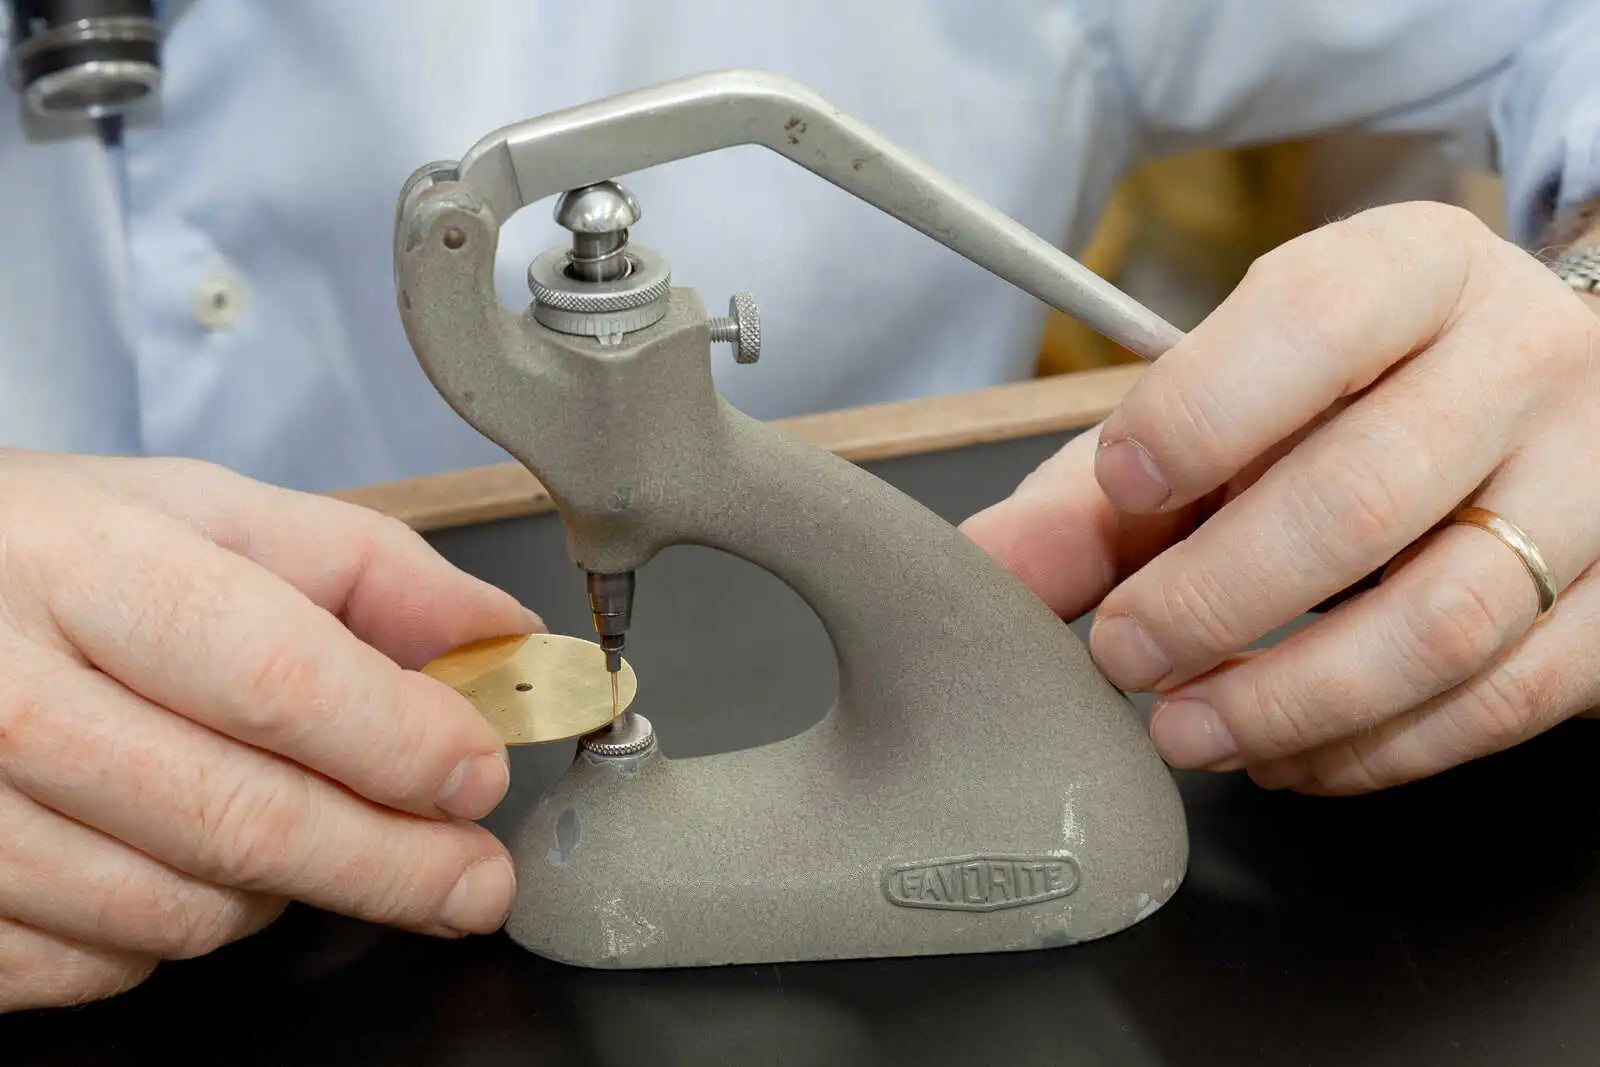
(861, 434)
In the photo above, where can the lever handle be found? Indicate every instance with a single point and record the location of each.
(523, 163)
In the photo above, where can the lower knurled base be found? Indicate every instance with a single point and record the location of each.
(629, 735)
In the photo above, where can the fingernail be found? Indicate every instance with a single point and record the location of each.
(1190, 733)
(481, 899)
(532, 621)
(476, 785)
(1127, 653)
(1129, 476)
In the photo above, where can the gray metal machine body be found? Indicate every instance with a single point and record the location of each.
(979, 786)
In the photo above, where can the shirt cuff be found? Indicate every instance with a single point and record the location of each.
(1547, 120)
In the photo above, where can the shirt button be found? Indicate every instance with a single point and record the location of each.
(218, 301)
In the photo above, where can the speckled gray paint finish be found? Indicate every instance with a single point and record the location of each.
(970, 721)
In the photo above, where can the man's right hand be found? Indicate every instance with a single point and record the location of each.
(204, 712)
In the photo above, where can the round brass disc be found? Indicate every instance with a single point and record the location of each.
(536, 687)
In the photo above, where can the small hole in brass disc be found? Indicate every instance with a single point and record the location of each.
(523, 687)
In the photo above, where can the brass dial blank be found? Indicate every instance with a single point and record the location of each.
(535, 688)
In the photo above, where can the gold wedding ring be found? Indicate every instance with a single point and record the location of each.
(1512, 536)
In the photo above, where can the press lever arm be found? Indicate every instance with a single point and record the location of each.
(526, 162)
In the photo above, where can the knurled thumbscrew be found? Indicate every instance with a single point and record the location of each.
(741, 328)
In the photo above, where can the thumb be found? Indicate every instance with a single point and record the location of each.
(1063, 538)
(384, 582)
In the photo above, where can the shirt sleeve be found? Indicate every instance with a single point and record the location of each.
(1547, 118)
(1234, 72)
(1241, 71)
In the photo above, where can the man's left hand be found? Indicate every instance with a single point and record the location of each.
(1362, 384)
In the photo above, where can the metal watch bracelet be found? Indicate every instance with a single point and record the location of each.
(1569, 240)
(1579, 268)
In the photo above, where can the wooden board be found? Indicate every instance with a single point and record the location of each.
(862, 434)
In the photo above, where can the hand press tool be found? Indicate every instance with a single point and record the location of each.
(978, 786)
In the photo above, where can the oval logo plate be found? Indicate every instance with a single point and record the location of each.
(980, 882)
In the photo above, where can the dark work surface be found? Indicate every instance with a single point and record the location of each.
(1456, 921)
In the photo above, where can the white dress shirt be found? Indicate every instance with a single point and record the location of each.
(219, 283)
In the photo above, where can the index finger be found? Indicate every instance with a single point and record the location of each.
(217, 639)
(1318, 319)
(384, 581)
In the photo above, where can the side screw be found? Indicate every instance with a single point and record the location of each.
(741, 329)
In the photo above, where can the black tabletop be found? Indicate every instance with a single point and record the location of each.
(1449, 922)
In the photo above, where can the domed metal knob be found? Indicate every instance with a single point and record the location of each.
(599, 216)
(604, 207)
